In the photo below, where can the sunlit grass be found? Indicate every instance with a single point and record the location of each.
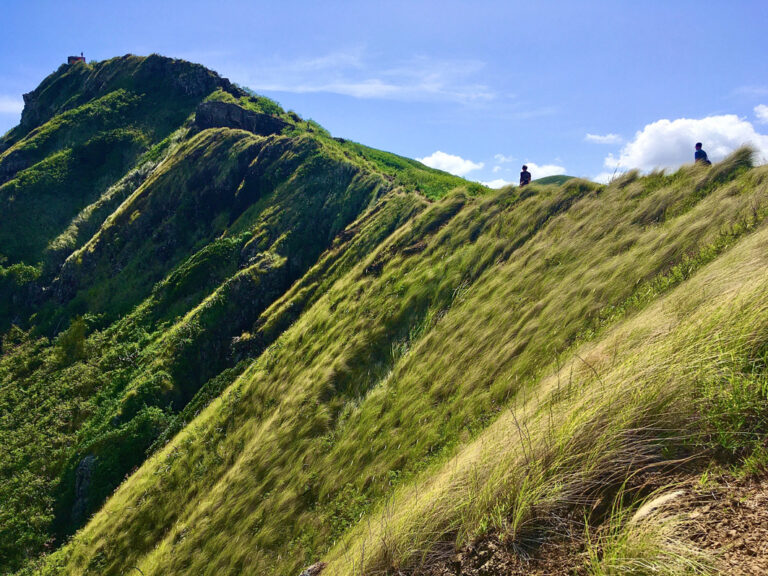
(496, 361)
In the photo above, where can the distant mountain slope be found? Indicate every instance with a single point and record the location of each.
(559, 179)
(259, 347)
(82, 129)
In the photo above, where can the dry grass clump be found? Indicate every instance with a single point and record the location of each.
(628, 545)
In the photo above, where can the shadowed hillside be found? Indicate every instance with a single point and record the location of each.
(254, 346)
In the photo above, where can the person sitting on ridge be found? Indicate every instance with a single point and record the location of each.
(700, 157)
(525, 177)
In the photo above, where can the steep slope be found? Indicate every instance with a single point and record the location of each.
(130, 311)
(355, 427)
(81, 129)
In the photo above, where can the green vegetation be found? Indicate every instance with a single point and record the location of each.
(411, 175)
(75, 141)
(34, 210)
(226, 353)
(559, 179)
(639, 541)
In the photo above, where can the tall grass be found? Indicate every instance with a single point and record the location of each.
(496, 361)
(631, 400)
(652, 545)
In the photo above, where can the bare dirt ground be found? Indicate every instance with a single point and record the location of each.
(491, 557)
(729, 521)
(725, 518)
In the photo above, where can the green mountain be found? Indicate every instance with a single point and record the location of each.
(558, 179)
(233, 344)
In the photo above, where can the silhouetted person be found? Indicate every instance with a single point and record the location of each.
(700, 157)
(525, 177)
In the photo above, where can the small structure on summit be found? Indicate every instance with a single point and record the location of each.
(73, 59)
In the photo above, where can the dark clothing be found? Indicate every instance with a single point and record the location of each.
(525, 178)
(701, 157)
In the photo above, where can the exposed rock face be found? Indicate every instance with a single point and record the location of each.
(82, 485)
(314, 570)
(34, 112)
(227, 115)
(11, 164)
(73, 85)
(190, 79)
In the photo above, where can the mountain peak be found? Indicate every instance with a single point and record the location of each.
(72, 85)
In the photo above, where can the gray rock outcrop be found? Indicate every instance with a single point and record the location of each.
(83, 475)
(314, 570)
(11, 164)
(228, 115)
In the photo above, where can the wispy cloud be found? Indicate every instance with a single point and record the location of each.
(11, 105)
(450, 163)
(603, 139)
(502, 159)
(357, 75)
(605, 177)
(752, 91)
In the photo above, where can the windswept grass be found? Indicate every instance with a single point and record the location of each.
(294, 347)
(629, 401)
(495, 361)
(132, 381)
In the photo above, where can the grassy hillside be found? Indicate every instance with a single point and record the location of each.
(136, 270)
(368, 403)
(246, 353)
(82, 129)
(558, 179)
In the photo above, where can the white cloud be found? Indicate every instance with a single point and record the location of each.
(536, 170)
(544, 170)
(355, 74)
(11, 105)
(605, 177)
(450, 163)
(496, 169)
(761, 111)
(669, 143)
(606, 139)
(498, 183)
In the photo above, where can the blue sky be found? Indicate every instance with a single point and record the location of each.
(478, 88)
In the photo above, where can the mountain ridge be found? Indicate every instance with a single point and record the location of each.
(235, 215)
(246, 350)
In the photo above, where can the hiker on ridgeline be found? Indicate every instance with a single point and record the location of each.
(525, 177)
(700, 157)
